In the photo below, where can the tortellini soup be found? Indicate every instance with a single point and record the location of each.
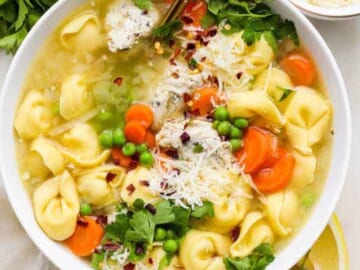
(193, 145)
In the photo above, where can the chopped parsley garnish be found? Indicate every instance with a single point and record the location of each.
(286, 93)
(166, 31)
(259, 259)
(17, 18)
(192, 64)
(136, 228)
(254, 18)
(143, 4)
(198, 148)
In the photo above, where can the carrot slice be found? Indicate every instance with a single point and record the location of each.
(259, 148)
(276, 178)
(135, 132)
(194, 11)
(141, 113)
(86, 238)
(203, 100)
(150, 139)
(300, 69)
(119, 158)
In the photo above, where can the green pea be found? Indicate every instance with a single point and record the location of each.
(141, 148)
(119, 137)
(236, 144)
(224, 128)
(146, 158)
(241, 123)
(129, 149)
(170, 234)
(221, 114)
(170, 246)
(160, 234)
(235, 133)
(215, 124)
(106, 139)
(85, 209)
(105, 116)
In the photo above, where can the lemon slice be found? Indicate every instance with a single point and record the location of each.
(329, 252)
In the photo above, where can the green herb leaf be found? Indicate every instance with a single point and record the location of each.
(167, 30)
(259, 259)
(142, 228)
(143, 4)
(96, 259)
(286, 93)
(164, 213)
(181, 222)
(208, 20)
(206, 210)
(116, 230)
(198, 148)
(192, 64)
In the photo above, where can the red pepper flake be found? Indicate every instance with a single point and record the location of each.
(190, 46)
(145, 12)
(195, 112)
(82, 222)
(172, 153)
(133, 165)
(187, 115)
(144, 183)
(187, 97)
(234, 234)
(239, 75)
(110, 176)
(102, 220)
(131, 188)
(171, 43)
(184, 137)
(129, 266)
(150, 208)
(176, 54)
(151, 261)
(211, 32)
(111, 246)
(118, 81)
(164, 184)
(139, 249)
(177, 171)
(187, 19)
(175, 75)
(213, 80)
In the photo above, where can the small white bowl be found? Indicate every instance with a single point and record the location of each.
(350, 11)
(59, 254)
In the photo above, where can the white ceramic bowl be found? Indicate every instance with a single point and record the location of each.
(328, 13)
(60, 255)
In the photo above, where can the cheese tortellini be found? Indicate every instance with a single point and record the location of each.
(56, 205)
(134, 188)
(281, 209)
(304, 171)
(254, 103)
(33, 116)
(75, 97)
(260, 56)
(308, 117)
(204, 250)
(81, 146)
(51, 157)
(255, 230)
(83, 33)
(95, 189)
(229, 209)
(274, 82)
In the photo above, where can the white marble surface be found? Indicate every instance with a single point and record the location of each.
(17, 252)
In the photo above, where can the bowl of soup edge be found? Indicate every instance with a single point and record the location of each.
(301, 242)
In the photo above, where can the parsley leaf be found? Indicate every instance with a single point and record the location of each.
(208, 20)
(167, 30)
(261, 257)
(206, 210)
(164, 213)
(143, 4)
(254, 18)
(96, 259)
(16, 20)
(286, 93)
(117, 230)
(142, 228)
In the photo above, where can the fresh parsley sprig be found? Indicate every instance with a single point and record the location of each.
(17, 17)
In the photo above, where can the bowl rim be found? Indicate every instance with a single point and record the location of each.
(328, 13)
(302, 245)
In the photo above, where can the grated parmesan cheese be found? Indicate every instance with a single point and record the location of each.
(194, 177)
(333, 3)
(127, 23)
